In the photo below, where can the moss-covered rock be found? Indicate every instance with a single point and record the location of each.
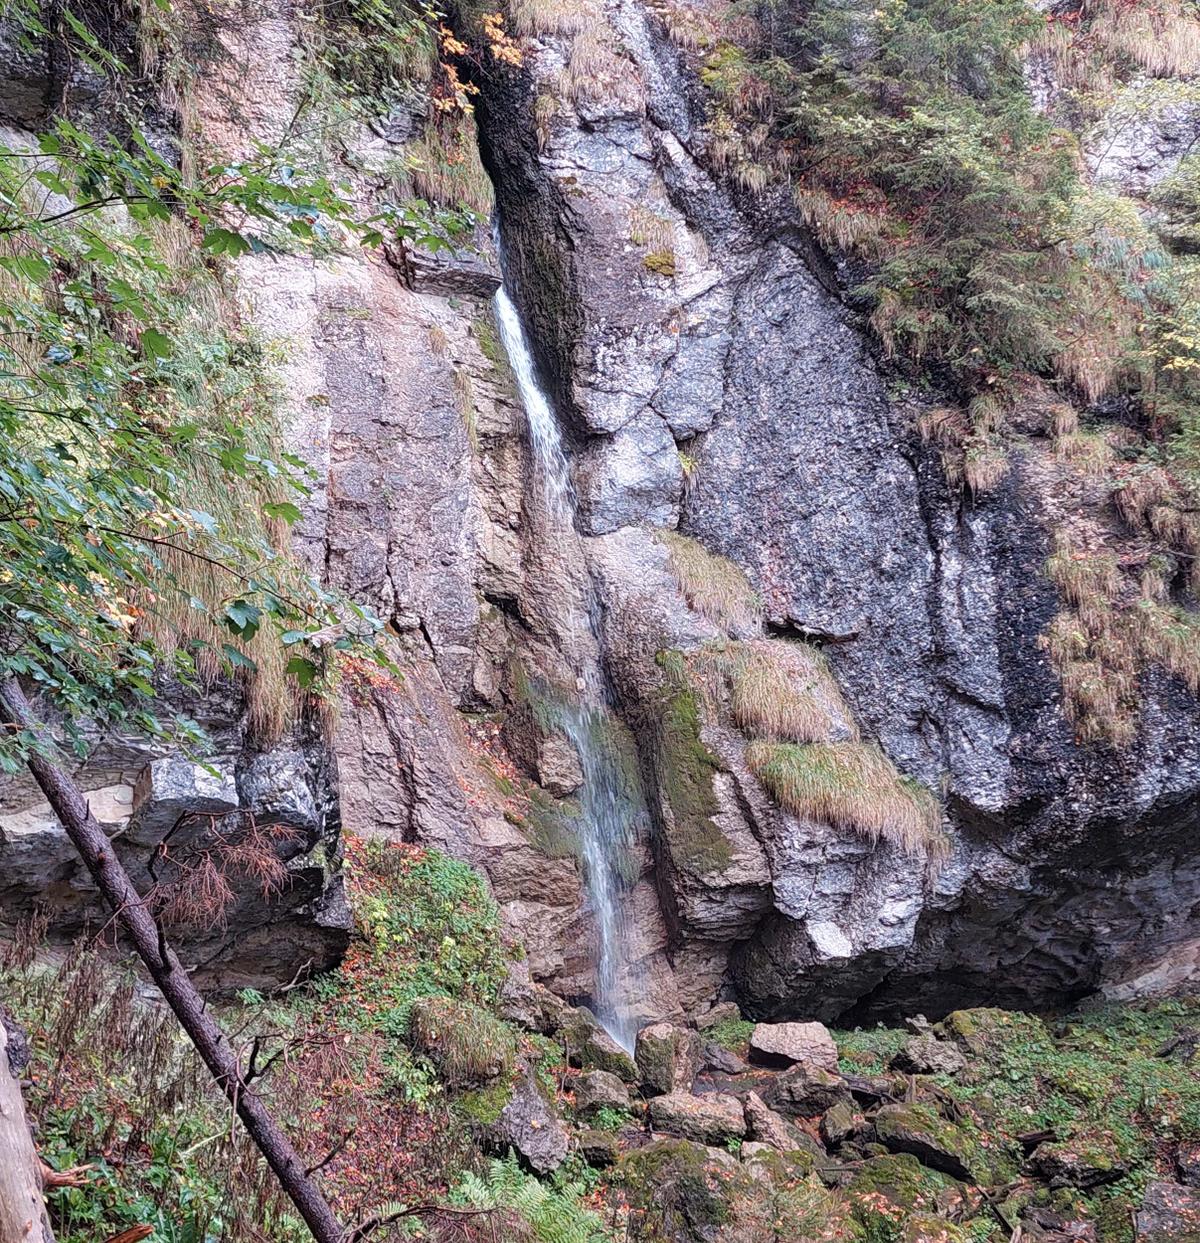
(917, 1129)
(589, 1046)
(679, 1192)
(667, 1057)
(1086, 1161)
(900, 1180)
(709, 1119)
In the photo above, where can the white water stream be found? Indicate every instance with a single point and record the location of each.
(608, 798)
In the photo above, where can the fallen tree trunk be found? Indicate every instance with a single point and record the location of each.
(173, 981)
(22, 1209)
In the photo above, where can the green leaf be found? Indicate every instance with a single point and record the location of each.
(238, 659)
(156, 344)
(243, 618)
(304, 671)
(31, 267)
(225, 242)
(284, 510)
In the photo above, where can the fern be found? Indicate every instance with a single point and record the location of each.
(553, 1214)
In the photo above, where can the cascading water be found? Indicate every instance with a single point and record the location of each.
(609, 797)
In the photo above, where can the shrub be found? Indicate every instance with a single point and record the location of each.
(712, 585)
(466, 1043)
(850, 785)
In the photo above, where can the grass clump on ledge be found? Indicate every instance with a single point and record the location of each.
(468, 1044)
(850, 785)
(713, 585)
(782, 690)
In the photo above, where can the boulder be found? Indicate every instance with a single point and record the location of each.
(765, 1126)
(807, 1090)
(591, 1047)
(840, 1124)
(597, 1148)
(598, 1089)
(1170, 1213)
(667, 1057)
(680, 1192)
(529, 1125)
(1082, 1162)
(709, 1119)
(927, 1055)
(785, 1044)
(1187, 1162)
(916, 1129)
(717, 1057)
(530, 1005)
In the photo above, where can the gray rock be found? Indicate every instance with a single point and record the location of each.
(1169, 1214)
(529, 1125)
(918, 1130)
(709, 1119)
(171, 788)
(806, 1090)
(558, 766)
(784, 1044)
(597, 1089)
(716, 1057)
(668, 1058)
(926, 1055)
(765, 1126)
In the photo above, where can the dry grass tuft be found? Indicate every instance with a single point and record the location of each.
(468, 1044)
(851, 785)
(1163, 38)
(841, 224)
(596, 70)
(713, 585)
(780, 690)
(984, 464)
(1089, 452)
(535, 18)
(445, 168)
(1138, 492)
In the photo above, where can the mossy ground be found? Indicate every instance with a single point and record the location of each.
(1094, 1078)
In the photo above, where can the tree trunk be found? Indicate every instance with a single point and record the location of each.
(143, 930)
(22, 1210)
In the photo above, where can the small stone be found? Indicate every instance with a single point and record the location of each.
(1170, 1213)
(840, 1124)
(926, 1055)
(807, 1090)
(667, 1057)
(785, 1044)
(765, 1126)
(1083, 1163)
(598, 1148)
(598, 1089)
(709, 1119)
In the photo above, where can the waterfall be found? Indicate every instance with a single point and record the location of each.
(609, 797)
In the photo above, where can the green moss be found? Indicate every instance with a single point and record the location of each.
(589, 1046)
(661, 262)
(484, 1105)
(900, 1179)
(732, 1034)
(686, 769)
(671, 1180)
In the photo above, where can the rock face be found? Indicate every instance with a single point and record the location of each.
(740, 355)
(529, 1125)
(711, 382)
(667, 1058)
